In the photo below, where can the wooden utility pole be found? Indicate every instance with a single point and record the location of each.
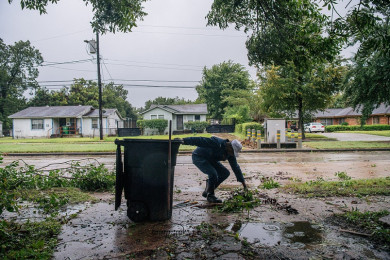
(100, 88)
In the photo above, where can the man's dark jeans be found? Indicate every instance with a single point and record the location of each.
(215, 170)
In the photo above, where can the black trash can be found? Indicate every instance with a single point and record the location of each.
(145, 177)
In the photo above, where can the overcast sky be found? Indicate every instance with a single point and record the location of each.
(169, 48)
(171, 44)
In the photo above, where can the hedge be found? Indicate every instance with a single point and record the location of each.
(159, 124)
(241, 128)
(198, 126)
(334, 128)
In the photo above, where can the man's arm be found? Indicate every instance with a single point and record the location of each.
(236, 169)
(202, 142)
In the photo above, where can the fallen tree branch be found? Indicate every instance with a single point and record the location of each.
(355, 233)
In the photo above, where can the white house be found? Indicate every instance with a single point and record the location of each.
(55, 121)
(179, 114)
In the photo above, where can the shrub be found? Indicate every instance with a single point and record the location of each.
(344, 123)
(198, 126)
(333, 128)
(159, 124)
(238, 128)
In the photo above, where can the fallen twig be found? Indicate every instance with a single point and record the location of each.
(355, 232)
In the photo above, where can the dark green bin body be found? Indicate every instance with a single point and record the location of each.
(145, 178)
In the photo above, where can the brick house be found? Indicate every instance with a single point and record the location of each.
(337, 116)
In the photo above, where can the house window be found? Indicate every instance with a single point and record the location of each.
(36, 124)
(160, 116)
(95, 123)
(190, 118)
(375, 120)
(327, 121)
(153, 116)
(197, 117)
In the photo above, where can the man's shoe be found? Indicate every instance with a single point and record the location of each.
(212, 199)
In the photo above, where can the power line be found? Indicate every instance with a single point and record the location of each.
(126, 80)
(193, 34)
(50, 63)
(71, 69)
(157, 63)
(152, 67)
(60, 36)
(151, 80)
(55, 86)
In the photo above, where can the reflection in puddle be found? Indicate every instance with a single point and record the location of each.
(303, 232)
(295, 235)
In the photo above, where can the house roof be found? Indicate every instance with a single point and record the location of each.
(106, 112)
(181, 109)
(60, 112)
(382, 109)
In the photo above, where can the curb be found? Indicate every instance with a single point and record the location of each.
(190, 152)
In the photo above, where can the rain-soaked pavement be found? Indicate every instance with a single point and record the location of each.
(99, 232)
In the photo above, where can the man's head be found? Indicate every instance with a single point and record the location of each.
(237, 146)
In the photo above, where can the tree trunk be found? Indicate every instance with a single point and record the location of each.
(300, 116)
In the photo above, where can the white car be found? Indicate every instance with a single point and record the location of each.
(314, 127)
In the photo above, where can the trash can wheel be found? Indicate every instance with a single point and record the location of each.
(137, 211)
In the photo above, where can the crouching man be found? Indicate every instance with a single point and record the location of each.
(207, 157)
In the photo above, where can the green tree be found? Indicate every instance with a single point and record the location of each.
(109, 15)
(85, 92)
(18, 72)
(282, 86)
(167, 101)
(368, 81)
(45, 97)
(282, 33)
(223, 86)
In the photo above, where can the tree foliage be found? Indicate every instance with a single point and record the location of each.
(223, 86)
(368, 82)
(281, 31)
(109, 15)
(159, 124)
(285, 90)
(18, 72)
(167, 101)
(86, 92)
(290, 33)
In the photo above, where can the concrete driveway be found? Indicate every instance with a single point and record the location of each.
(356, 137)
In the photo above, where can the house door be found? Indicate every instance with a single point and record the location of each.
(62, 121)
(179, 120)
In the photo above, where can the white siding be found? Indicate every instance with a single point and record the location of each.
(109, 126)
(22, 129)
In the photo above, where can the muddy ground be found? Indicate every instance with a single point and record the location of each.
(266, 232)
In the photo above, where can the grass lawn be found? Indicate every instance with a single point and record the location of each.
(346, 144)
(9, 145)
(381, 133)
(353, 188)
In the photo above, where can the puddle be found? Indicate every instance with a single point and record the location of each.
(29, 212)
(295, 234)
